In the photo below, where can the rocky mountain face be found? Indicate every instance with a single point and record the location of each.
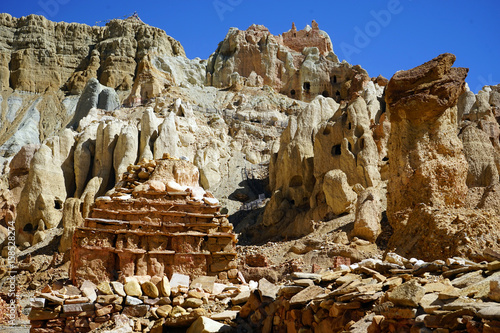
(300, 64)
(294, 144)
(46, 64)
(39, 55)
(327, 156)
(415, 153)
(428, 157)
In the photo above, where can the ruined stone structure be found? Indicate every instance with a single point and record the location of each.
(157, 222)
(307, 37)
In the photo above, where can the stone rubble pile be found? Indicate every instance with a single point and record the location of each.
(142, 304)
(395, 295)
(157, 221)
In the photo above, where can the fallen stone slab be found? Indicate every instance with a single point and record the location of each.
(407, 294)
(207, 325)
(267, 289)
(179, 280)
(306, 295)
(225, 315)
(204, 282)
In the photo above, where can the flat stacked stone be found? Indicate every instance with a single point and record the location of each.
(157, 221)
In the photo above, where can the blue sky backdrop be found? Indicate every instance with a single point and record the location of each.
(382, 36)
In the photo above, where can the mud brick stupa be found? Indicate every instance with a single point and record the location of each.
(157, 221)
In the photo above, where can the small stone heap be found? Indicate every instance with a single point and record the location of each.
(157, 221)
(395, 295)
(145, 304)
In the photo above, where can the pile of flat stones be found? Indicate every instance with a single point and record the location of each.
(394, 295)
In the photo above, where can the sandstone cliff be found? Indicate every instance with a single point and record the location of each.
(40, 55)
(44, 63)
(84, 162)
(357, 165)
(428, 169)
(328, 159)
(327, 156)
(299, 64)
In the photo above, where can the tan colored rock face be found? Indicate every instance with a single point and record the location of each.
(428, 169)
(300, 64)
(368, 215)
(338, 194)
(42, 198)
(48, 55)
(481, 156)
(426, 162)
(325, 139)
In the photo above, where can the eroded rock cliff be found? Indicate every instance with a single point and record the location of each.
(428, 170)
(45, 63)
(42, 55)
(300, 64)
(321, 126)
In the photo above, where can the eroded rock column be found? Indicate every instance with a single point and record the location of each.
(426, 160)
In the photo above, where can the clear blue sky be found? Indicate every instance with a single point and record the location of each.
(381, 36)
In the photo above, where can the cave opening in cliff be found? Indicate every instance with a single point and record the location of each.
(336, 150)
(57, 204)
(334, 79)
(307, 86)
(296, 181)
(292, 92)
(325, 94)
(337, 96)
(28, 227)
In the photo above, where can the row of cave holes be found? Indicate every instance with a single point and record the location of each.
(296, 181)
(307, 88)
(337, 149)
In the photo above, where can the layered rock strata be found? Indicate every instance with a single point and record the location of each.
(39, 54)
(44, 65)
(157, 221)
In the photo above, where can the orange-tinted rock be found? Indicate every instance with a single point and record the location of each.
(428, 169)
(426, 160)
(308, 37)
(256, 260)
(425, 92)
